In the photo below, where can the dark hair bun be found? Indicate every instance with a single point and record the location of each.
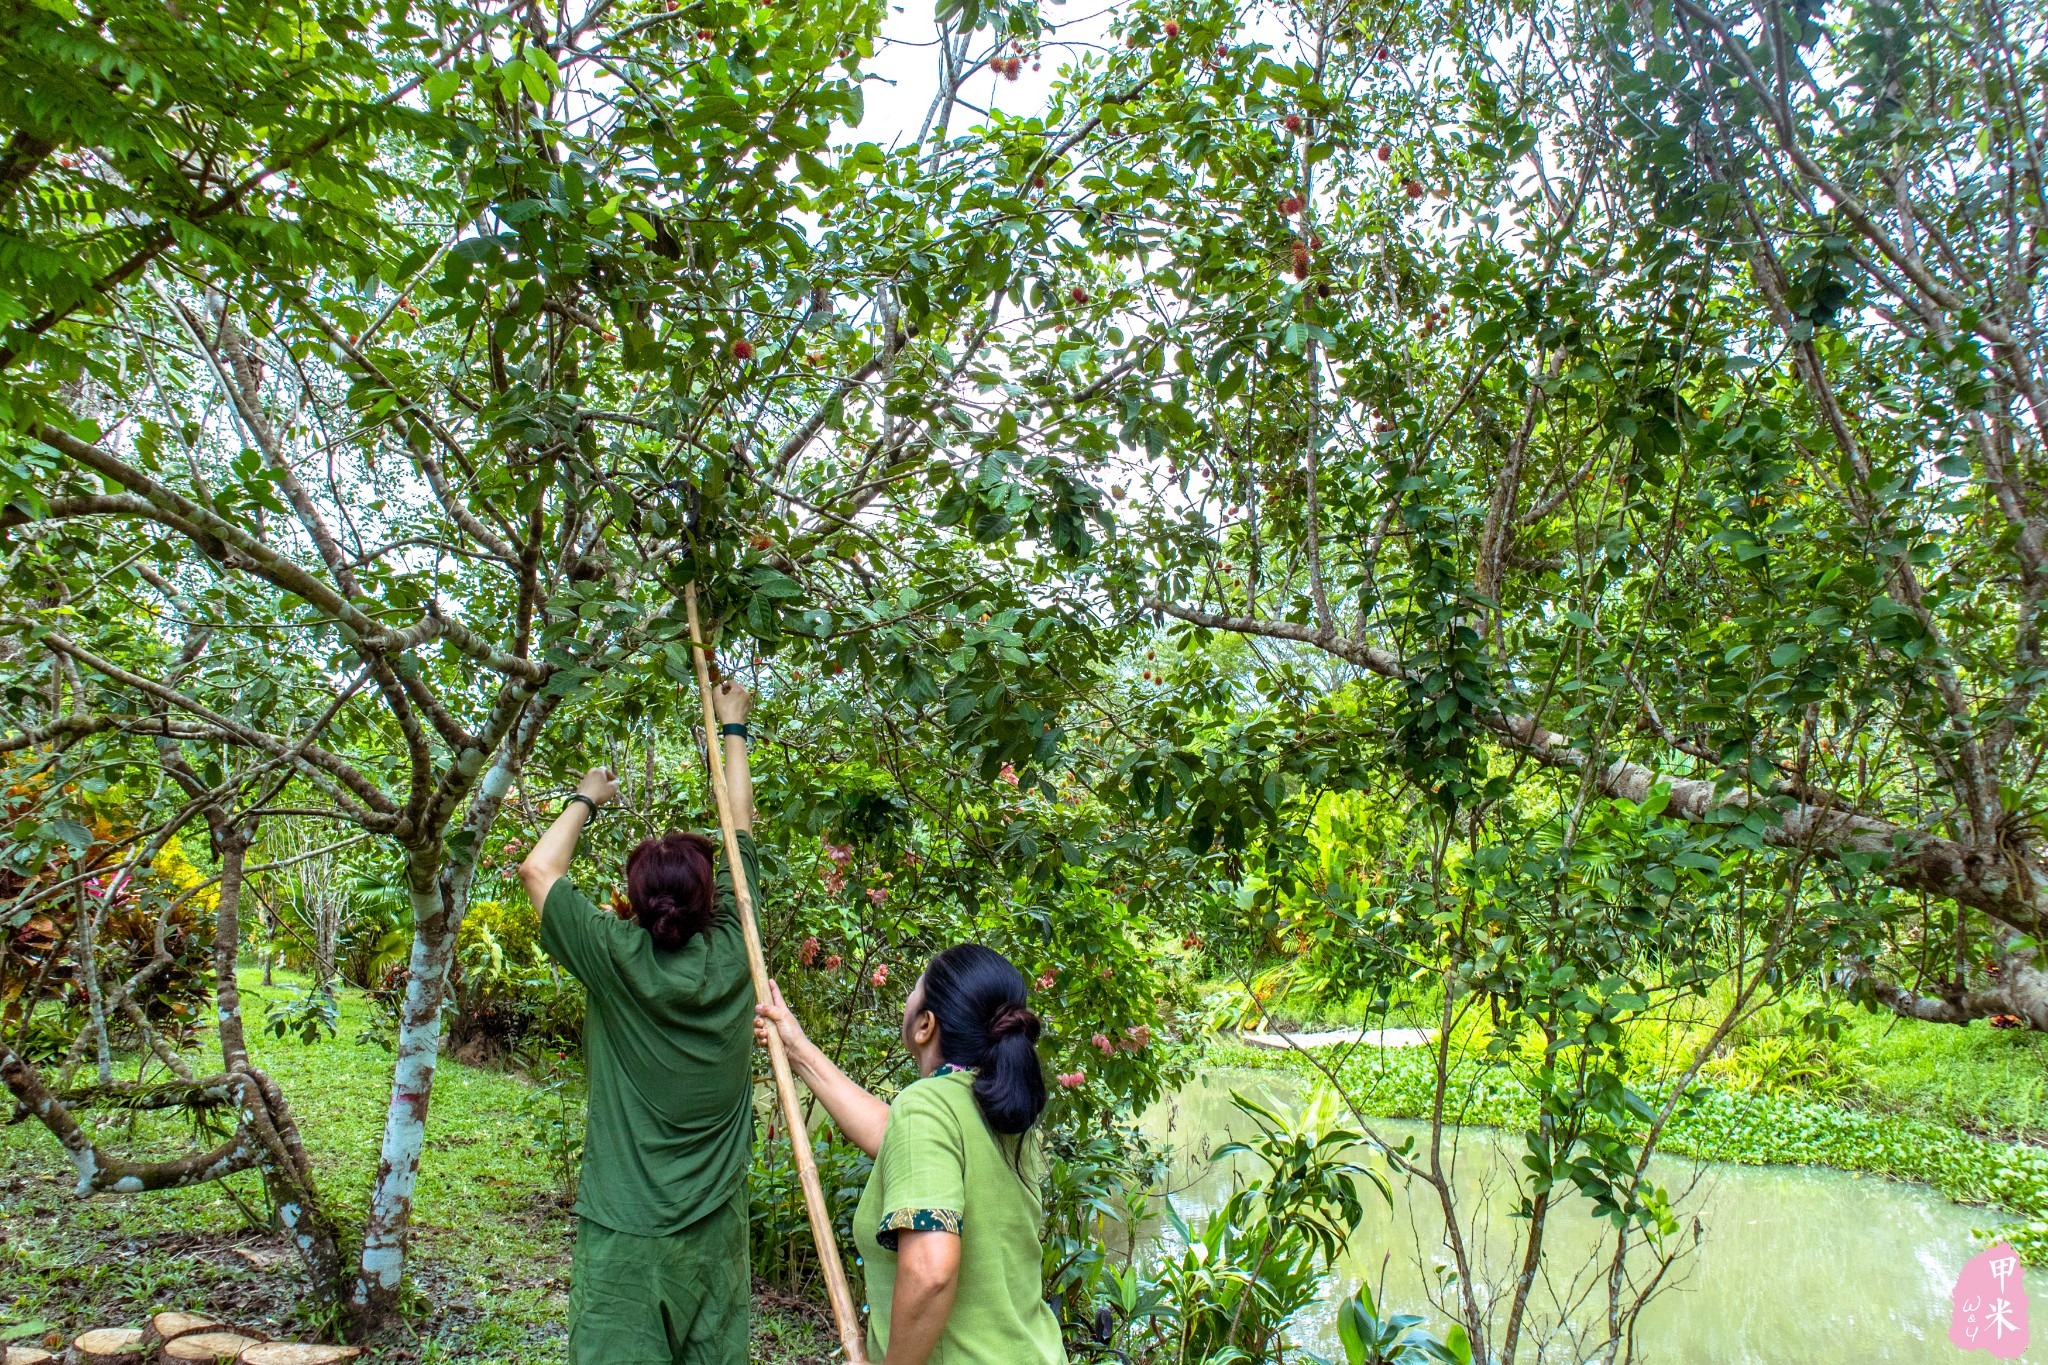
(1012, 1017)
(978, 997)
(668, 882)
(664, 921)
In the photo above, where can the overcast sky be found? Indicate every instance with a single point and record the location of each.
(907, 63)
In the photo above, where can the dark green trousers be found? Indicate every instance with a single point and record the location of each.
(678, 1300)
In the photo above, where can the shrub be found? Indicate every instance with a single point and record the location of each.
(39, 968)
(512, 924)
(1236, 1282)
(508, 993)
(779, 1228)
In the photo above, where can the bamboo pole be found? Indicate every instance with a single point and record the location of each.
(850, 1336)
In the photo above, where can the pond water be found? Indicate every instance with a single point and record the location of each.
(1790, 1264)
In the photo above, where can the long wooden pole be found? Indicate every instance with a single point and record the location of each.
(843, 1314)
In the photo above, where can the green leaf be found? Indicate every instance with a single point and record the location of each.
(775, 585)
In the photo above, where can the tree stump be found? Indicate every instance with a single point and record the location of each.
(26, 1355)
(297, 1353)
(207, 1348)
(109, 1346)
(170, 1326)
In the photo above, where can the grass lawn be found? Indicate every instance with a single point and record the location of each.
(1989, 1081)
(493, 1234)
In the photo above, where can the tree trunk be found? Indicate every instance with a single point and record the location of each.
(227, 950)
(2021, 989)
(440, 899)
(327, 908)
(288, 1176)
(268, 953)
(382, 1267)
(89, 976)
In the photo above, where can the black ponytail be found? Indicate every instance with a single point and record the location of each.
(985, 1024)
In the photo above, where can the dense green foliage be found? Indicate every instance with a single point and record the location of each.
(1527, 519)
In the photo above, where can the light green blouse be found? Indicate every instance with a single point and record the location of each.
(941, 1168)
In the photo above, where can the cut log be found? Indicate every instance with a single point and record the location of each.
(109, 1346)
(27, 1355)
(298, 1353)
(170, 1326)
(207, 1348)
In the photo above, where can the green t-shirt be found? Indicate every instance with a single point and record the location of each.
(668, 1043)
(941, 1168)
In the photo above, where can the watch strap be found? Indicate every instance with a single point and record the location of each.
(587, 803)
(735, 727)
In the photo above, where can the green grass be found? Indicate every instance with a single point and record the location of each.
(1990, 1081)
(494, 1236)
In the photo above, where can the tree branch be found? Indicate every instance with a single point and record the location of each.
(1904, 856)
(319, 762)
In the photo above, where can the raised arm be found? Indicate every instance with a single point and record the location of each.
(731, 702)
(548, 861)
(860, 1116)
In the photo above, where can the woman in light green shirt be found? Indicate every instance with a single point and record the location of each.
(948, 1226)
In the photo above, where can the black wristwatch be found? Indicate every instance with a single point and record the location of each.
(588, 804)
(735, 727)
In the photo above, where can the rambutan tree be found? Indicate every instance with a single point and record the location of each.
(379, 378)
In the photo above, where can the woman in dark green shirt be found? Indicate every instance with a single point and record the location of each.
(948, 1226)
(660, 1275)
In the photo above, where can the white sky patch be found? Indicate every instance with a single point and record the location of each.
(905, 70)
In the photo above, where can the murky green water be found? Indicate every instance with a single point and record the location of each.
(1791, 1265)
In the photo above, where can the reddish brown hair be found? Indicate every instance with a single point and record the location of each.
(669, 885)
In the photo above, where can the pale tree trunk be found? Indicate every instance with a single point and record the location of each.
(440, 899)
(316, 891)
(327, 912)
(385, 1230)
(323, 902)
(267, 955)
